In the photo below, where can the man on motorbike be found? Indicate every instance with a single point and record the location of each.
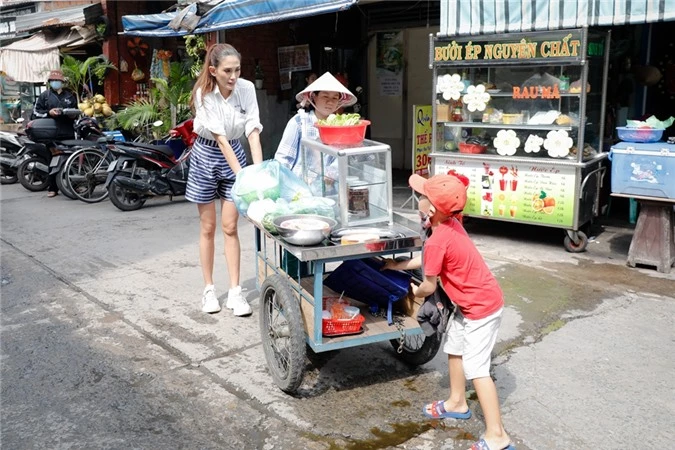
(50, 104)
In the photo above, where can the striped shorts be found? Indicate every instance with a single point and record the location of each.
(210, 175)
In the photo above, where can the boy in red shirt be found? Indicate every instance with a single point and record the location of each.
(449, 254)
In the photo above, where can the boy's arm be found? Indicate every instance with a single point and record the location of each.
(408, 264)
(427, 287)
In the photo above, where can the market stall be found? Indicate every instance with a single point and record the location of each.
(319, 245)
(521, 115)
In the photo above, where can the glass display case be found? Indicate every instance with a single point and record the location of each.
(357, 177)
(521, 115)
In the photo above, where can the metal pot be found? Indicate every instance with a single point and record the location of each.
(307, 236)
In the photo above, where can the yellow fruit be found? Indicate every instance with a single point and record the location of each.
(549, 209)
(82, 106)
(89, 112)
(97, 107)
(107, 111)
(537, 204)
(98, 98)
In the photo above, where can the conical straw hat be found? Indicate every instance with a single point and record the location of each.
(329, 83)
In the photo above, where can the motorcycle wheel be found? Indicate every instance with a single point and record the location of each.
(86, 171)
(31, 178)
(62, 184)
(6, 178)
(124, 199)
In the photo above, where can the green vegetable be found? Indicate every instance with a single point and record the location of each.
(341, 120)
(268, 222)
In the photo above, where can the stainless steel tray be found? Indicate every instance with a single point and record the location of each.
(403, 239)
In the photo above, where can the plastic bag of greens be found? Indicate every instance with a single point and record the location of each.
(320, 206)
(256, 182)
(280, 209)
(291, 186)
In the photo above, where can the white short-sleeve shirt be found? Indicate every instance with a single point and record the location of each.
(232, 117)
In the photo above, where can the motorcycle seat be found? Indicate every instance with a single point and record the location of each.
(165, 149)
(73, 143)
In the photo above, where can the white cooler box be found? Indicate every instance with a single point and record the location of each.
(643, 169)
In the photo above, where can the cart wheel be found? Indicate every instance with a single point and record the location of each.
(283, 334)
(418, 349)
(575, 246)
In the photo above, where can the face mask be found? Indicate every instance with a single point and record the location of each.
(55, 84)
(425, 221)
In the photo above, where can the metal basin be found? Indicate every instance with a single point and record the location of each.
(304, 229)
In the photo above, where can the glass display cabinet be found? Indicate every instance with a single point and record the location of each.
(357, 177)
(521, 115)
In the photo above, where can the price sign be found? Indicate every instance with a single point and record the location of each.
(421, 139)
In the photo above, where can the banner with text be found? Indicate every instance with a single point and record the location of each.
(525, 192)
(421, 139)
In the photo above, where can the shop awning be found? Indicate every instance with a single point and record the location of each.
(66, 17)
(31, 59)
(468, 17)
(232, 14)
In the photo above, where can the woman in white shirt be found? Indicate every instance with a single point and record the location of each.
(326, 95)
(225, 110)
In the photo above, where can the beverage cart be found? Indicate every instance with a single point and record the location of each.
(522, 116)
(292, 296)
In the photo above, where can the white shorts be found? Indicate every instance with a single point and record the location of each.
(473, 340)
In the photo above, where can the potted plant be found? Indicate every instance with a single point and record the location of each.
(167, 103)
(259, 75)
(79, 73)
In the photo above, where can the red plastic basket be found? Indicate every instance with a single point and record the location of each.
(342, 135)
(335, 327)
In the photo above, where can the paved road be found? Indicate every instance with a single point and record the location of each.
(104, 345)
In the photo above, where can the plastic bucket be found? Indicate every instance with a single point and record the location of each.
(343, 135)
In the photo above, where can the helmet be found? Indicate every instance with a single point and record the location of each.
(87, 127)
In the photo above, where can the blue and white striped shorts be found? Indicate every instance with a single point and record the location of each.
(210, 175)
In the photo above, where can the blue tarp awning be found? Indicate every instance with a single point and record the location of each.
(232, 14)
(469, 17)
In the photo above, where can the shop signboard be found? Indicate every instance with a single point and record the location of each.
(523, 192)
(478, 49)
(422, 129)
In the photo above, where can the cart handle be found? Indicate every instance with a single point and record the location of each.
(602, 169)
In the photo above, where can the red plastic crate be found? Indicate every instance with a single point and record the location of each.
(337, 327)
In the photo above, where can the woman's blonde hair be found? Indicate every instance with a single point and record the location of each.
(207, 82)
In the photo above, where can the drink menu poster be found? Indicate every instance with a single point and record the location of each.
(523, 192)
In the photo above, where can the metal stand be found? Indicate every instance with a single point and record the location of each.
(413, 198)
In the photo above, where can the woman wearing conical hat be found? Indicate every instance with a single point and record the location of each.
(322, 98)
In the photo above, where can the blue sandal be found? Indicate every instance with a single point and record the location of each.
(438, 412)
(482, 445)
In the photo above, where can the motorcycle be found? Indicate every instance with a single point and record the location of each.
(10, 145)
(142, 171)
(46, 136)
(88, 131)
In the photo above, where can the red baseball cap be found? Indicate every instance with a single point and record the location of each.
(446, 192)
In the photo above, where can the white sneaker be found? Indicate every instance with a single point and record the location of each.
(209, 300)
(237, 302)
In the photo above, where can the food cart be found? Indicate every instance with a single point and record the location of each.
(521, 115)
(358, 179)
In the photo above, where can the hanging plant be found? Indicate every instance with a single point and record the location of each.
(195, 47)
